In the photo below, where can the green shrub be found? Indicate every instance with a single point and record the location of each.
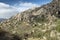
(58, 25)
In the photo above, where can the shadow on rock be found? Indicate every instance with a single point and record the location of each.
(7, 36)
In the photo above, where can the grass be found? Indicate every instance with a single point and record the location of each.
(58, 25)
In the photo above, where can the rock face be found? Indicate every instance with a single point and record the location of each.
(41, 22)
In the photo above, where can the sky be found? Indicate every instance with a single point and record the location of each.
(9, 8)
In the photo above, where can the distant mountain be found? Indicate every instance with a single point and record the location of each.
(41, 23)
(2, 19)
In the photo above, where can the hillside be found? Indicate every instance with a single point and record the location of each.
(41, 23)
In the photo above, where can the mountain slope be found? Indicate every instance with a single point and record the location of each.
(41, 23)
